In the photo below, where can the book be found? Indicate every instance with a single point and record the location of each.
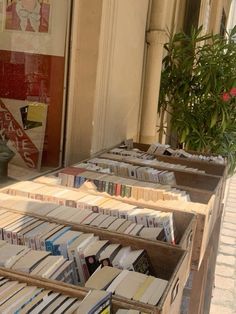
(50, 241)
(10, 230)
(92, 254)
(115, 283)
(55, 304)
(16, 301)
(120, 256)
(142, 289)
(35, 301)
(130, 285)
(41, 245)
(108, 254)
(25, 229)
(136, 260)
(96, 301)
(76, 254)
(154, 291)
(11, 292)
(29, 261)
(102, 278)
(47, 265)
(152, 233)
(9, 254)
(61, 244)
(45, 303)
(65, 273)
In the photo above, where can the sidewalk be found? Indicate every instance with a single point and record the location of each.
(224, 293)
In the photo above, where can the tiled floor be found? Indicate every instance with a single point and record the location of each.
(224, 293)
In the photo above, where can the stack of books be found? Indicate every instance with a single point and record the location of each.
(130, 285)
(119, 186)
(129, 169)
(160, 149)
(85, 251)
(19, 297)
(39, 263)
(150, 160)
(94, 210)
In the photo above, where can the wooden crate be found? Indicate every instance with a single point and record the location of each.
(166, 261)
(185, 227)
(170, 302)
(209, 167)
(206, 189)
(67, 289)
(205, 213)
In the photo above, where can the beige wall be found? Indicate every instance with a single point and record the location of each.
(121, 54)
(82, 78)
(106, 70)
(217, 7)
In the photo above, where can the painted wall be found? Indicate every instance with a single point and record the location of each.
(106, 69)
(119, 80)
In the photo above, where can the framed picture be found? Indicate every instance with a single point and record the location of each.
(22, 125)
(28, 15)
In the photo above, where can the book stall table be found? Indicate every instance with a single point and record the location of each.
(198, 290)
(197, 224)
(167, 261)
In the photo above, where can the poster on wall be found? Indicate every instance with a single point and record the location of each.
(22, 127)
(28, 15)
(32, 68)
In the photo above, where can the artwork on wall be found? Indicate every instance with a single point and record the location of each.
(22, 126)
(28, 15)
(32, 55)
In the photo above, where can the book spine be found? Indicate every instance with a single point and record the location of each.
(92, 264)
(14, 238)
(7, 235)
(128, 191)
(56, 250)
(77, 182)
(122, 190)
(49, 246)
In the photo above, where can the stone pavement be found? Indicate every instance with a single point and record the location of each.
(224, 293)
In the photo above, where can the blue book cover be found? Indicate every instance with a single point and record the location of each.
(49, 241)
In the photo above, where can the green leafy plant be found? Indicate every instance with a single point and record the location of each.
(198, 90)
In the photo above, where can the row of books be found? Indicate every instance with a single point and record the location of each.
(85, 251)
(145, 159)
(129, 170)
(120, 186)
(40, 263)
(20, 297)
(95, 252)
(94, 210)
(162, 149)
(130, 285)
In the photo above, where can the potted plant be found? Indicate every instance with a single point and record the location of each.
(5, 156)
(198, 90)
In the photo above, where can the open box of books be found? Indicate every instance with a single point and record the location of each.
(205, 203)
(91, 211)
(24, 294)
(150, 261)
(35, 294)
(208, 166)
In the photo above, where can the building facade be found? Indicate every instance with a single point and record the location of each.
(86, 75)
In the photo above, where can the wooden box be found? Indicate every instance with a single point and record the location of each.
(184, 224)
(170, 302)
(205, 190)
(167, 262)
